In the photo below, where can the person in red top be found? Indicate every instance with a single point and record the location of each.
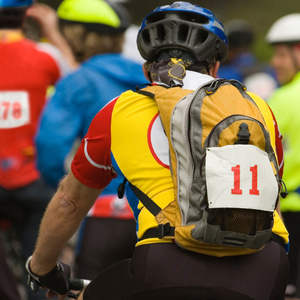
(27, 70)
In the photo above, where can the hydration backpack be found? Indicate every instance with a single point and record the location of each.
(224, 169)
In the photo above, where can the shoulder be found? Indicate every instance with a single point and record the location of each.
(256, 98)
(265, 110)
(286, 99)
(41, 59)
(290, 89)
(40, 50)
(103, 117)
(55, 54)
(262, 105)
(68, 90)
(111, 59)
(73, 82)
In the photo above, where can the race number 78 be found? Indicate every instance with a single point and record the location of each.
(7, 109)
(14, 109)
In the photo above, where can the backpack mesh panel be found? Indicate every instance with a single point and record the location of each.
(245, 221)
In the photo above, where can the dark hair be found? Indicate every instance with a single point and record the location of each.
(12, 18)
(239, 34)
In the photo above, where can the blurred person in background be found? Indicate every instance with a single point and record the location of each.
(95, 31)
(27, 70)
(241, 63)
(49, 35)
(284, 36)
(130, 49)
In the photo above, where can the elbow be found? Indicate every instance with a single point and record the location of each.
(67, 204)
(66, 200)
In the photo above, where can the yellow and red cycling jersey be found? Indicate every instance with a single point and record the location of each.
(127, 135)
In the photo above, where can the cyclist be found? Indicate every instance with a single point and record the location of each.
(27, 70)
(285, 40)
(66, 117)
(126, 137)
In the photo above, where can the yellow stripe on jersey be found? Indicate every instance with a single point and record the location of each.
(263, 107)
(279, 227)
(131, 119)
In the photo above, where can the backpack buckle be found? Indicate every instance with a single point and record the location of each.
(163, 230)
(243, 135)
(121, 189)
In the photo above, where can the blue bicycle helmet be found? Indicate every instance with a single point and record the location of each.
(182, 28)
(15, 3)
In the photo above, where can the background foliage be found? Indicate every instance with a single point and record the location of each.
(260, 13)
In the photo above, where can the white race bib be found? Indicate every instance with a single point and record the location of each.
(240, 176)
(14, 109)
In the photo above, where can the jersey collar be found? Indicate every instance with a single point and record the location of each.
(193, 80)
(10, 36)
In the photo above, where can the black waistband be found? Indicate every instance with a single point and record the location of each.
(159, 232)
(167, 230)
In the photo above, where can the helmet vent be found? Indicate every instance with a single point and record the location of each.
(202, 36)
(160, 33)
(181, 15)
(146, 37)
(183, 33)
(155, 18)
(195, 18)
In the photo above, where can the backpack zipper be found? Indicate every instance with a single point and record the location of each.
(208, 139)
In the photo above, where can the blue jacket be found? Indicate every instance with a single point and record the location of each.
(243, 66)
(77, 99)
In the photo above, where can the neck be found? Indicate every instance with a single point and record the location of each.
(10, 35)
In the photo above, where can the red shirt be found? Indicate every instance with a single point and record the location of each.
(25, 74)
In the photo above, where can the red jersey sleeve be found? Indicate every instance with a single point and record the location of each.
(92, 162)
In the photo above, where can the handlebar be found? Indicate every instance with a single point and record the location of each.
(77, 284)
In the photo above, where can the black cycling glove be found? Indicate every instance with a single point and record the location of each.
(56, 280)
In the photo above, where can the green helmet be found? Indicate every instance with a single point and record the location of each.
(97, 15)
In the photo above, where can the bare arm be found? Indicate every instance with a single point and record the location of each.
(47, 18)
(67, 208)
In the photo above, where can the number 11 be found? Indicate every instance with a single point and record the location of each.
(237, 181)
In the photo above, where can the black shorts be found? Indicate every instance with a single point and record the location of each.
(165, 271)
(117, 242)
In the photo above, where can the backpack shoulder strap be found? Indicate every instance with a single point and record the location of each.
(146, 201)
(163, 230)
